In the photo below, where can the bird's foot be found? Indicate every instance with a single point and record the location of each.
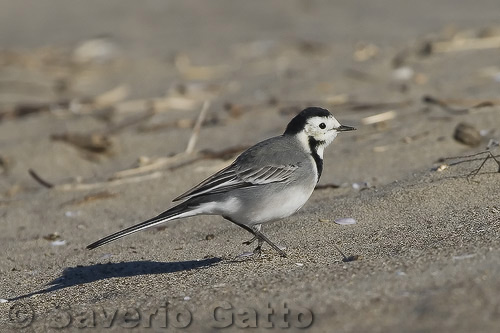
(250, 241)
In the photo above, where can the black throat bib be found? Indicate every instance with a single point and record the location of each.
(313, 145)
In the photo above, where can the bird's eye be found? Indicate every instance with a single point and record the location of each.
(322, 125)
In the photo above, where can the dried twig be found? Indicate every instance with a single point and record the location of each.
(473, 173)
(467, 105)
(23, 110)
(90, 197)
(197, 128)
(472, 158)
(39, 179)
(466, 44)
(378, 118)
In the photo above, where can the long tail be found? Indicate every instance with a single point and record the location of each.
(179, 211)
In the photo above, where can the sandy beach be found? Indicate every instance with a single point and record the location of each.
(98, 104)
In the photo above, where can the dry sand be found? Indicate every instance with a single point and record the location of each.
(426, 240)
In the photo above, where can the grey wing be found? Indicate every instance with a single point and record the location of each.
(233, 177)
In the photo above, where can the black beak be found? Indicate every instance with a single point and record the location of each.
(344, 128)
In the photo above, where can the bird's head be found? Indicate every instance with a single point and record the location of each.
(315, 127)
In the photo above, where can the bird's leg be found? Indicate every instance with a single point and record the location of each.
(254, 238)
(261, 238)
(264, 238)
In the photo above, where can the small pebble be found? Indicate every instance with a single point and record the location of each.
(360, 186)
(58, 243)
(442, 167)
(52, 236)
(187, 298)
(467, 134)
(299, 264)
(404, 73)
(71, 214)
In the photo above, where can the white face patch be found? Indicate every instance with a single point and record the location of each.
(322, 129)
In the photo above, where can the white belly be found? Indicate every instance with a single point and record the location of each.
(280, 206)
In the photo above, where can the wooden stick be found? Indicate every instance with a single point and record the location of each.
(466, 44)
(197, 128)
(39, 179)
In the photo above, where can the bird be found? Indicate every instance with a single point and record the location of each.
(268, 182)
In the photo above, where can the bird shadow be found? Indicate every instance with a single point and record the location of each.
(79, 275)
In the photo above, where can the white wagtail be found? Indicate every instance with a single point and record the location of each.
(269, 181)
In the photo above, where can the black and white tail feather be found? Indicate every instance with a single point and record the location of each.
(225, 180)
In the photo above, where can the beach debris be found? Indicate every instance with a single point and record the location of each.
(70, 213)
(323, 220)
(93, 142)
(193, 72)
(365, 51)
(464, 105)
(5, 164)
(412, 138)
(197, 128)
(403, 73)
(359, 186)
(187, 298)
(58, 242)
(99, 50)
(299, 264)
(52, 237)
(245, 255)
(105, 256)
(467, 134)
(209, 237)
(129, 176)
(23, 110)
(89, 198)
(3, 300)
(442, 167)
(112, 96)
(465, 256)
(345, 221)
(40, 180)
(459, 44)
(346, 258)
(487, 154)
(13, 190)
(378, 118)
